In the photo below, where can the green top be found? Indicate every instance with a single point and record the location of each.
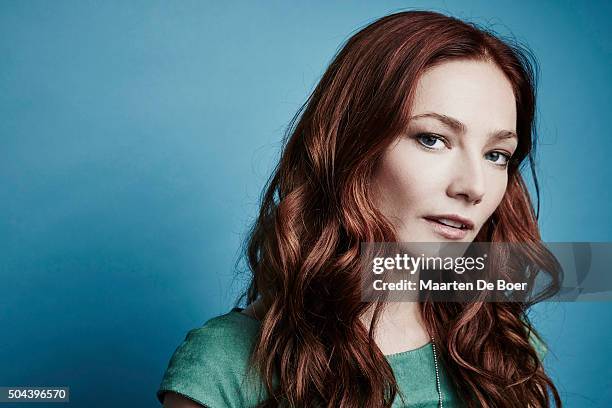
(210, 368)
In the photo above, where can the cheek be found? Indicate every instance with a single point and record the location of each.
(496, 189)
(403, 183)
(500, 186)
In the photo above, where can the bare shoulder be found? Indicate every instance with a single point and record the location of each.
(175, 400)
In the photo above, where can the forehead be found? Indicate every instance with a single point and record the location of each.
(474, 92)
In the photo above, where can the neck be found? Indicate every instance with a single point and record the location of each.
(400, 326)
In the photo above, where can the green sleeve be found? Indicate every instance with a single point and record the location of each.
(209, 367)
(538, 345)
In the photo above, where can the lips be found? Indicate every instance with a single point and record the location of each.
(450, 226)
(452, 220)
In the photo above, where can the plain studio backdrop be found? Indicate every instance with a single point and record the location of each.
(135, 137)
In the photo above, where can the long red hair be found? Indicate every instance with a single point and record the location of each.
(303, 249)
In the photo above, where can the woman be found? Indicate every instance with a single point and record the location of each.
(419, 124)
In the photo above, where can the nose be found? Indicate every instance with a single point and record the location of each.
(468, 179)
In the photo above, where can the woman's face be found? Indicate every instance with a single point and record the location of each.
(449, 166)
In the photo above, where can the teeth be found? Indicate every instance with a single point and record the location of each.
(450, 223)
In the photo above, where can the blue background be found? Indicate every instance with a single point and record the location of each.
(135, 138)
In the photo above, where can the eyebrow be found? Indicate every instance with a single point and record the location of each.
(460, 127)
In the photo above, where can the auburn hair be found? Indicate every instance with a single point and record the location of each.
(317, 207)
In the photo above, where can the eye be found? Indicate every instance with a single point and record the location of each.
(495, 156)
(429, 140)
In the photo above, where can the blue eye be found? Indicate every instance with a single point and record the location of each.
(429, 140)
(497, 155)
